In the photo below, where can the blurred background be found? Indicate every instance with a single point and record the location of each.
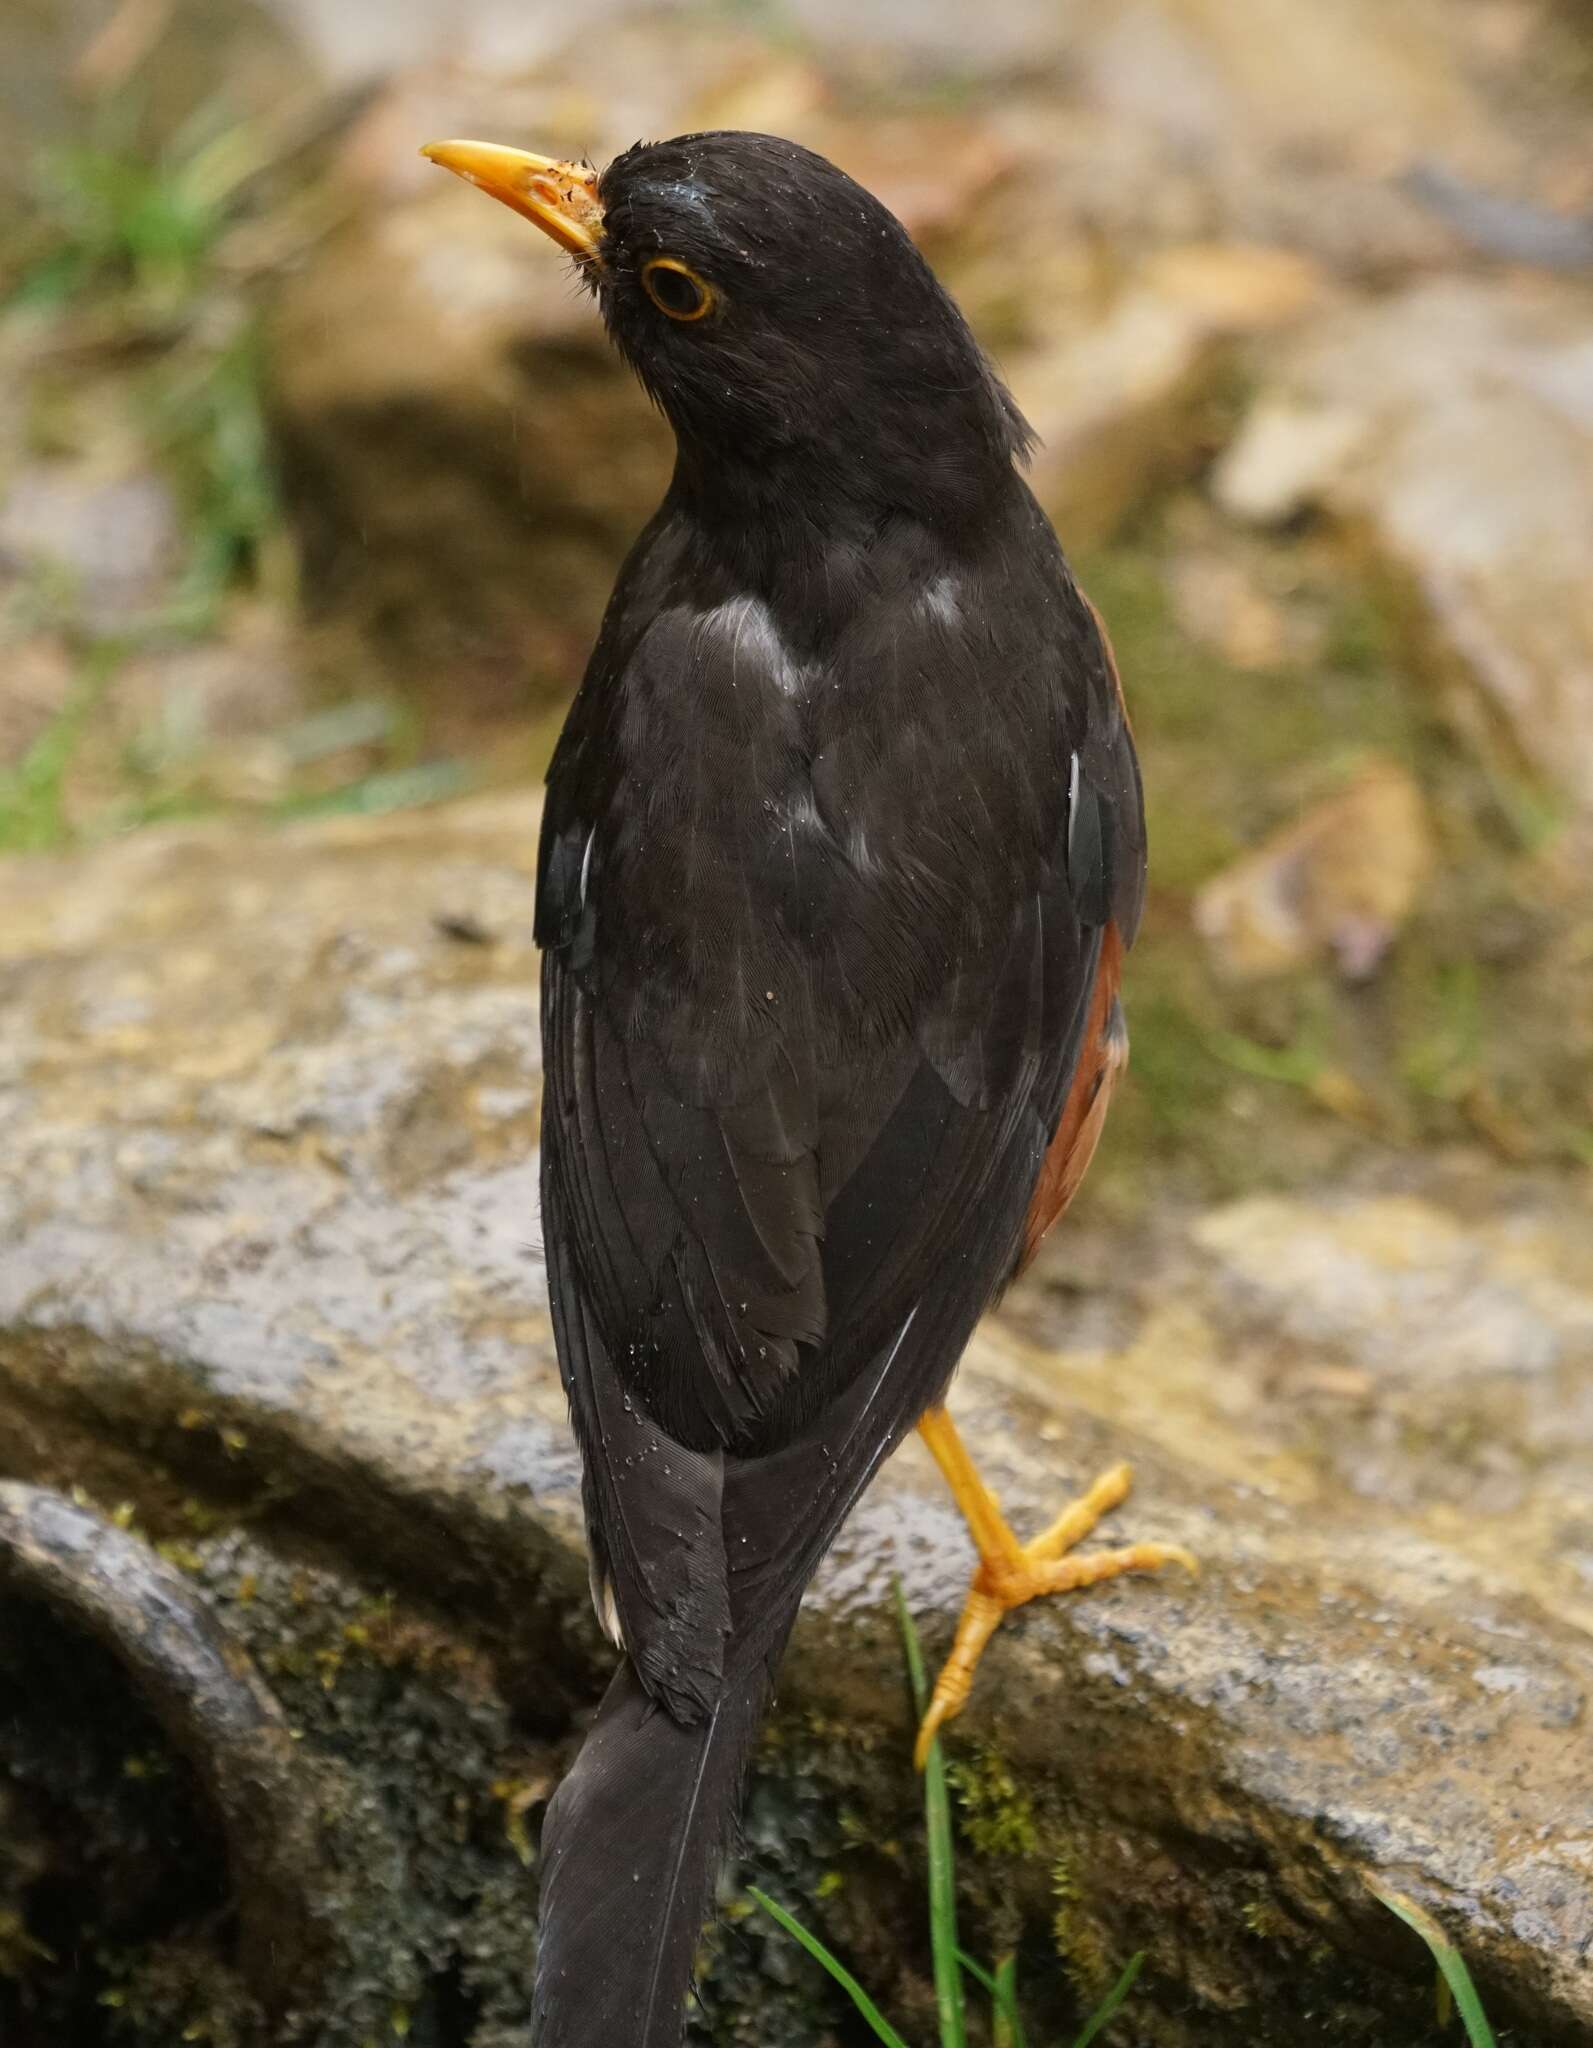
(314, 471)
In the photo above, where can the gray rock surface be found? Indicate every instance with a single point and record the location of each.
(268, 1243)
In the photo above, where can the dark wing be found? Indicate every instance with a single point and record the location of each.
(793, 1136)
(1010, 1079)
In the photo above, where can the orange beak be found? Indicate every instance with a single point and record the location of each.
(559, 198)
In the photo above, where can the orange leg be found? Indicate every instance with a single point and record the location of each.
(1011, 1573)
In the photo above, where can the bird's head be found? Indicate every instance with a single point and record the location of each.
(778, 314)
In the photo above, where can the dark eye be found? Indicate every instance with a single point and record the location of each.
(675, 290)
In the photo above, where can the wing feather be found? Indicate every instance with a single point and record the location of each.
(808, 1049)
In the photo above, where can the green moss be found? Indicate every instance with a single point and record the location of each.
(995, 1814)
(1264, 1920)
(1074, 1935)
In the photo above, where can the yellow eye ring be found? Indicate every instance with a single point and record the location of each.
(677, 290)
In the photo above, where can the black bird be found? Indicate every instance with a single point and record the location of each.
(842, 848)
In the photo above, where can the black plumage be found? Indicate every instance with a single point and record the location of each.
(843, 826)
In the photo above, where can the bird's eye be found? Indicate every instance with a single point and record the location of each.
(675, 290)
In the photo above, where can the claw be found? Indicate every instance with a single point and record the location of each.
(1011, 1573)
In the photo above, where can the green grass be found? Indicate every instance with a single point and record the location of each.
(115, 216)
(127, 260)
(883, 2030)
(955, 1970)
(1455, 1985)
(128, 270)
(32, 794)
(942, 1859)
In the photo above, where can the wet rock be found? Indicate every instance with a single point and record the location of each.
(212, 1705)
(1453, 423)
(407, 1834)
(269, 1245)
(1338, 882)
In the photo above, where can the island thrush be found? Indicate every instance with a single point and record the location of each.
(842, 849)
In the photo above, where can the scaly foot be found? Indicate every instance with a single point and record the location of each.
(1011, 1573)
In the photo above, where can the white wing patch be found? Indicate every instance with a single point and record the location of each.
(608, 1619)
(758, 655)
(586, 863)
(942, 601)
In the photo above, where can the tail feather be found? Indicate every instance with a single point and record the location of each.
(630, 1852)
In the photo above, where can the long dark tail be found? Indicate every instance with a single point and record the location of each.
(630, 1851)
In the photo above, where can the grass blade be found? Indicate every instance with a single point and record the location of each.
(1002, 1984)
(1009, 2020)
(883, 2029)
(1450, 1962)
(978, 1972)
(1109, 2004)
(942, 1863)
(33, 816)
